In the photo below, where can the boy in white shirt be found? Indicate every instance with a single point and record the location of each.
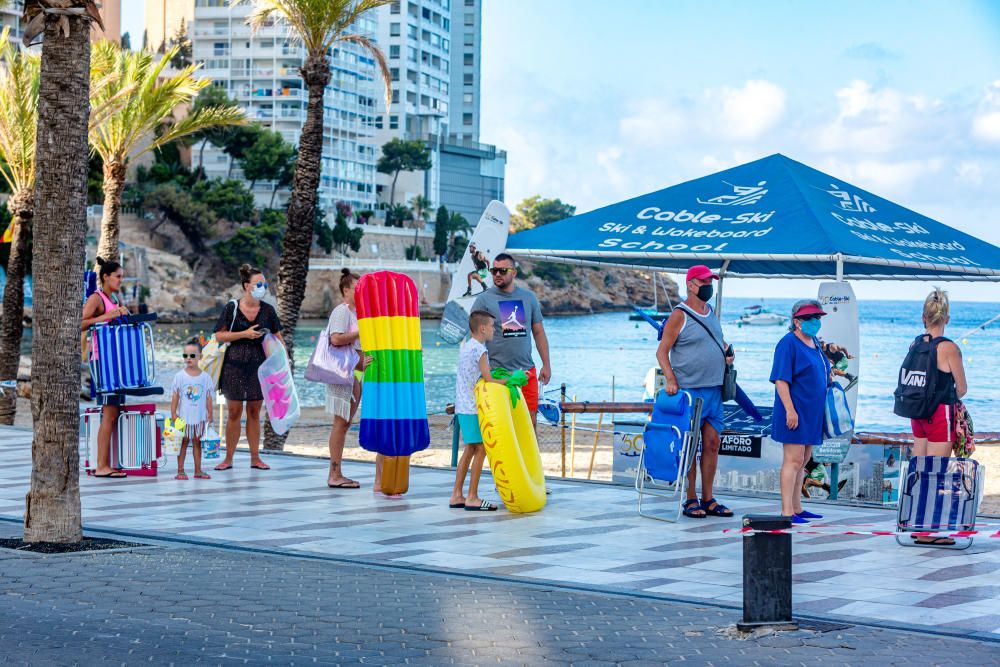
(473, 364)
(192, 392)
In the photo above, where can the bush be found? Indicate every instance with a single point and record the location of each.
(254, 243)
(558, 275)
(414, 252)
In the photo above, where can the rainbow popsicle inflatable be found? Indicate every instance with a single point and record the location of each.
(393, 408)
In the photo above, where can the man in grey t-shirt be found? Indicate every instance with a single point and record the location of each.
(518, 319)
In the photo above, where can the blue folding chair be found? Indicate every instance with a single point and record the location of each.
(670, 445)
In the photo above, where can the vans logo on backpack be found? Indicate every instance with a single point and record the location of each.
(912, 378)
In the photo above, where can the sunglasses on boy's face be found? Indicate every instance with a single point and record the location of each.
(189, 356)
(261, 283)
(502, 271)
(806, 318)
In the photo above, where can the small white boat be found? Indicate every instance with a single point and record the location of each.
(760, 316)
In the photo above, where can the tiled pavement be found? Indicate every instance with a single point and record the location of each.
(588, 536)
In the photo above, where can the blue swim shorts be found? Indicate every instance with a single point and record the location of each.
(469, 427)
(711, 406)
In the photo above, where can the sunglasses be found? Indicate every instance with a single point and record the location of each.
(806, 318)
(501, 271)
(189, 356)
(262, 284)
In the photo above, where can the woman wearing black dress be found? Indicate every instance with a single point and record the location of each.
(243, 324)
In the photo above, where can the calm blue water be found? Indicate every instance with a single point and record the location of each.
(589, 352)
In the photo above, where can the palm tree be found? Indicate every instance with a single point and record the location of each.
(419, 204)
(143, 120)
(318, 25)
(18, 125)
(52, 506)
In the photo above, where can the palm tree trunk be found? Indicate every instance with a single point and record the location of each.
(52, 506)
(293, 269)
(201, 155)
(392, 190)
(274, 192)
(114, 185)
(12, 324)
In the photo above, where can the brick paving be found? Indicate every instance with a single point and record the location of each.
(191, 605)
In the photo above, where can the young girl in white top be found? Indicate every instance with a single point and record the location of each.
(192, 392)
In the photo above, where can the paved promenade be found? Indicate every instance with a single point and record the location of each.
(588, 541)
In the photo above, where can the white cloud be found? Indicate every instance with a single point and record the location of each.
(747, 112)
(653, 122)
(609, 158)
(885, 178)
(970, 173)
(877, 121)
(986, 123)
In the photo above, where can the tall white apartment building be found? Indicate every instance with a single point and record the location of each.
(466, 44)
(434, 49)
(260, 71)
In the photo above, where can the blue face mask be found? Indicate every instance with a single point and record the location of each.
(811, 327)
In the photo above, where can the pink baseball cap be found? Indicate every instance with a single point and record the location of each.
(808, 309)
(700, 272)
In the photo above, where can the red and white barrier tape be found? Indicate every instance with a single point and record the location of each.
(912, 533)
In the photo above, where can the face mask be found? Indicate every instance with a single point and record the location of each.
(258, 292)
(705, 292)
(811, 327)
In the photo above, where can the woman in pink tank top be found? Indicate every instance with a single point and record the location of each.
(102, 306)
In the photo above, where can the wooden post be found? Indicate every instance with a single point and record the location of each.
(562, 428)
(593, 450)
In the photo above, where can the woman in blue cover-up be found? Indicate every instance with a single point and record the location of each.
(801, 374)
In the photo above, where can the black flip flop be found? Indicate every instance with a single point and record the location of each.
(691, 506)
(343, 485)
(116, 474)
(456, 506)
(485, 506)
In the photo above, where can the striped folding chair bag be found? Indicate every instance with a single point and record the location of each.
(136, 440)
(939, 493)
(119, 357)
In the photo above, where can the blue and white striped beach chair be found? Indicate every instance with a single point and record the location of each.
(670, 443)
(122, 356)
(939, 494)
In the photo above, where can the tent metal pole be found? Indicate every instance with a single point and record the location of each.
(718, 294)
(840, 268)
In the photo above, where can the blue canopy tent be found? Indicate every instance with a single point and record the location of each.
(771, 218)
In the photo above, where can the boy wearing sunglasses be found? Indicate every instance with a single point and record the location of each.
(191, 400)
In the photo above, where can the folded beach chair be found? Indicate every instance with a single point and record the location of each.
(939, 494)
(136, 442)
(122, 355)
(670, 444)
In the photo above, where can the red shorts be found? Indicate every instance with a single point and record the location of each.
(530, 390)
(939, 428)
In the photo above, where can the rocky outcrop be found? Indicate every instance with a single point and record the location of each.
(583, 289)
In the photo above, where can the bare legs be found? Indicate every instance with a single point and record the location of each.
(234, 411)
(109, 421)
(710, 444)
(472, 459)
(793, 472)
(338, 434)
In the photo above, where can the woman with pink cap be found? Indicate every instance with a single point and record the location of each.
(801, 374)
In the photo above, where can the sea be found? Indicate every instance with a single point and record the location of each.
(606, 356)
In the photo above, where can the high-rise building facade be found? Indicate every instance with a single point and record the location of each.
(163, 20)
(434, 49)
(466, 42)
(260, 70)
(111, 15)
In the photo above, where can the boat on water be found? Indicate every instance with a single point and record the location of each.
(643, 314)
(760, 316)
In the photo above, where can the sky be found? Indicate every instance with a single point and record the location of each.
(900, 97)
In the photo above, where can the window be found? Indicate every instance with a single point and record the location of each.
(467, 60)
(469, 40)
(394, 51)
(467, 78)
(411, 31)
(467, 98)
(394, 9)
(466, 119)
(394, 29)
(470, 3)
(393, 122)
(470, 18)
(426, 13)
(394, 73)
(411, 54)
(446, 24)
(378, 122)
(395, 96)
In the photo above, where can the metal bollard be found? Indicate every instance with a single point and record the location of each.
(767, 574)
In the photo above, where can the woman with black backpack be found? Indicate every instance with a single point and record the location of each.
(927, 391)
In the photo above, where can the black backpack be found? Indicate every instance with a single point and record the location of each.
(916, 395)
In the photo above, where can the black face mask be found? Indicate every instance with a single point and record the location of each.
(705, 292)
